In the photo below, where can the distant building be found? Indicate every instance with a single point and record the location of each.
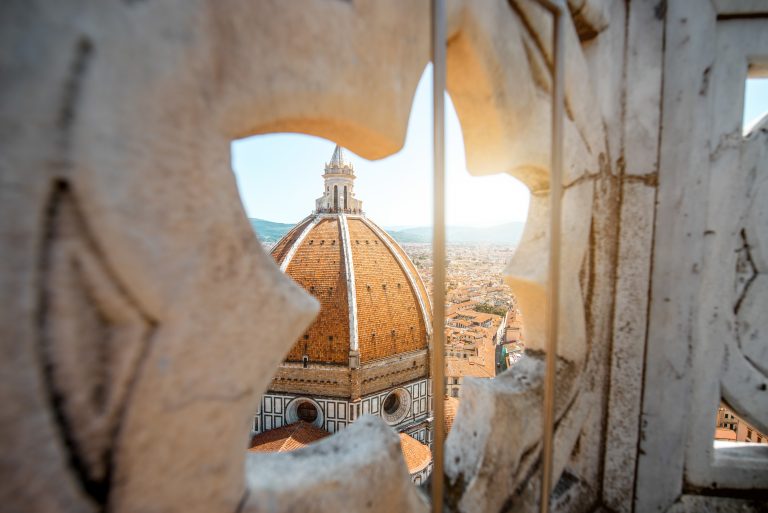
(470, 349)
(732, 428)
(367, 352)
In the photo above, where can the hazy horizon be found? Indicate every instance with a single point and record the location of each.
(396, 227)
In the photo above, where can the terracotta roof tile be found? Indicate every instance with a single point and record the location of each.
(482, 366)
(451, 408)
(300, 434)
(419, 282)
(388, 312)
(287, 438)
(280, 250)
(318, 266)
(417, 455)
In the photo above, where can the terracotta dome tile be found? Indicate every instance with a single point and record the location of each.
(388, 313)
(318, 266)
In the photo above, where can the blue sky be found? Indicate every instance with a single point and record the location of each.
(396, 191)
(755, 101)
(279, 174)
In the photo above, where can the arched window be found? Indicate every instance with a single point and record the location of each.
(345, 197)
(335, 197)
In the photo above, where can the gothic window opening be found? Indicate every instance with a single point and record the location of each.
(305, 247)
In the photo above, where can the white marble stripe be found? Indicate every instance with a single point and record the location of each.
(295, 246)
(351, 290)
(404, 267)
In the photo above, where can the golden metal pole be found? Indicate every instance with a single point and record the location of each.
(553, 286)
(438, 252)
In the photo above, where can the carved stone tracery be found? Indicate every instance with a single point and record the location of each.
(93, 338)
(156, 320)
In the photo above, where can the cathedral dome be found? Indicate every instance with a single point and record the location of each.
(368, 350)
(373, 301)
(374, 304)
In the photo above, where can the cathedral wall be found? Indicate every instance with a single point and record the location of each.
(390, 372)
(273, 412)
(419, 394)
(333, 381)
(274, 409)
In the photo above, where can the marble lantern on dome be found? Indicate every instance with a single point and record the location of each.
(339, 195)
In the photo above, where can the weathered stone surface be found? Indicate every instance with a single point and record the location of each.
(600, 55)
(699, 504)
(629, 325)
(756, 228)
(527, 272)
(141, 319)
(590, 16)
(367, 452)
(698, 357)
(645, 45)
(93, 337)
(678, 241)
(505, 115)
(479, 439)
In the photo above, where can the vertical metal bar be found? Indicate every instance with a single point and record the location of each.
(438, 251)
(553, 286)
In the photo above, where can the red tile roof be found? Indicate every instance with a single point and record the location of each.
(287, 438)
(318, 266)
(451, 407)
(417, 455)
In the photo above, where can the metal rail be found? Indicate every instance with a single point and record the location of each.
(438, 30)
(438, 38)
(557, 8)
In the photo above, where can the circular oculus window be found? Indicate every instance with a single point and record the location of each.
(306, 411)
(304, 408)
(396, 406)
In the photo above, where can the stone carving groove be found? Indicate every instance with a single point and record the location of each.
(750, 309)
(746, 369)
(92, 340)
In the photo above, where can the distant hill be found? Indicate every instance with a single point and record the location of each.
(507, 233)
(269, 231)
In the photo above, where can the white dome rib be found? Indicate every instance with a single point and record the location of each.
(351, 290)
